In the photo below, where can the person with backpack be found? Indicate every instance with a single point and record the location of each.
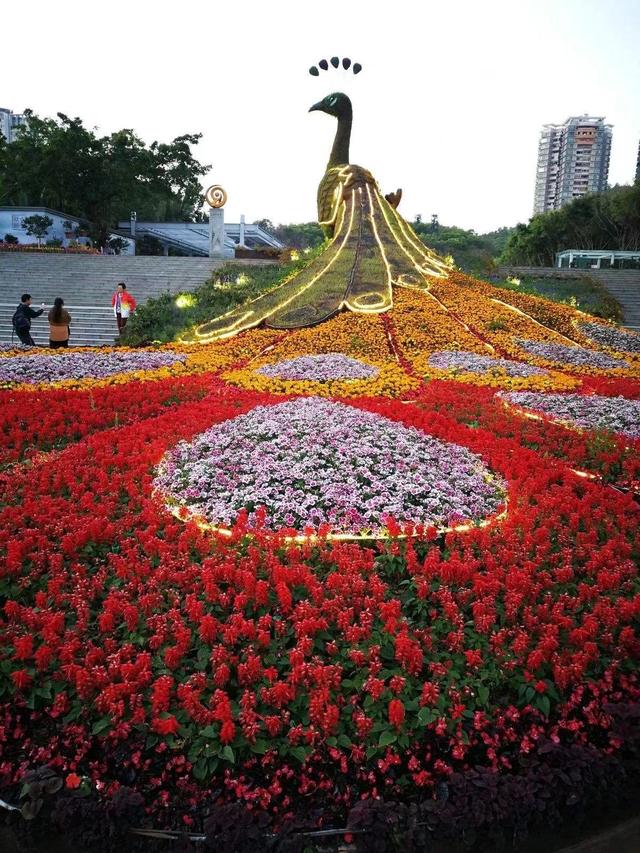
(22, 318)
(59, 321)
(123, 305)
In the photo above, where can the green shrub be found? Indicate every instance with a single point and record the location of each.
(583, 293)
(170, 315)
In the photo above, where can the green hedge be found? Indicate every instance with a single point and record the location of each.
(164, 319)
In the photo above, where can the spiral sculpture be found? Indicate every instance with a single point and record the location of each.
(216, 196)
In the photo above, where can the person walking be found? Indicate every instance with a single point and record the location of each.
(22, 318)
(123, 305)
(59, 322)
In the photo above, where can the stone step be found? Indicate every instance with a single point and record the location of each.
(90, 326)
(86, 283)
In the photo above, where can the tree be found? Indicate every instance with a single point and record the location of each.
(607, 220)
(59, 163)
(470, 251)
(37, 225)
(304, 235)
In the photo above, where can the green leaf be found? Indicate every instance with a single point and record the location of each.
(101, 726)
(260, 746)
(228, 755)
(200, 769)
(387, 652)
(483, 694)
(209, 732)
(301, 753)
(387, 738)
(544, 705)
(204, 653)
(194, 752)
(426, 716)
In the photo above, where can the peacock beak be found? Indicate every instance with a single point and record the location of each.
(317, 106)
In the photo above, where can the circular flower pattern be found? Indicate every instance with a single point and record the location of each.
(618, 339)
(34, 370)
(312, 462)
(320, 368)
(574, 356)
(616, 414)
(471, 362)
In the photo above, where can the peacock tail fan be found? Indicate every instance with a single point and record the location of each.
(371, 250)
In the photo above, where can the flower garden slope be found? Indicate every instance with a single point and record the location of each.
(133, 643)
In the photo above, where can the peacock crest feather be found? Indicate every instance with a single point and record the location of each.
(371, 250)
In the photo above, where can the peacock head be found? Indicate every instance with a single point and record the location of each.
(336, 104)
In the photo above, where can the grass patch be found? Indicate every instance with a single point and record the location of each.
(586, 294)
(172, 314)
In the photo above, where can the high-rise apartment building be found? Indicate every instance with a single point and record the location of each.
(573, 160)
(638, 166)
(10, 122)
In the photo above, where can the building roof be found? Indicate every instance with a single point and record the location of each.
(194, 236)
(40, 209)
(599, 253)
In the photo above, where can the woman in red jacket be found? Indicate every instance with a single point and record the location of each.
(123, 305)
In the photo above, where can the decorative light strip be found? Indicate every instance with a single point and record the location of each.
(183, 514)
(387, 303)
(532, 319)
(229, 331)
(338, 193)
(417, 266)
(545, 416)
(426, 253)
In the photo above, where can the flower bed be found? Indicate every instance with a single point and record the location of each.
(572, 355)
(138, 647)
(312, 463)
(615, 414)
(44, 369)
(469, 362)
(320, 368)
(608, 336)
(48, 250)
(174, 675)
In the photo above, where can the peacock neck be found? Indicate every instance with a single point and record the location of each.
(340, 151)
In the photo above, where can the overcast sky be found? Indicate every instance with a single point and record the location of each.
(449, 104)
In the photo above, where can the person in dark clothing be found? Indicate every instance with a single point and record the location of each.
(22, 319)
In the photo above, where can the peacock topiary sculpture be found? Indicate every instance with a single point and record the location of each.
(371, 250)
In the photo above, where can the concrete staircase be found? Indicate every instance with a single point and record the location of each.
(624, 285)
(86, 283)
(90, 326)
